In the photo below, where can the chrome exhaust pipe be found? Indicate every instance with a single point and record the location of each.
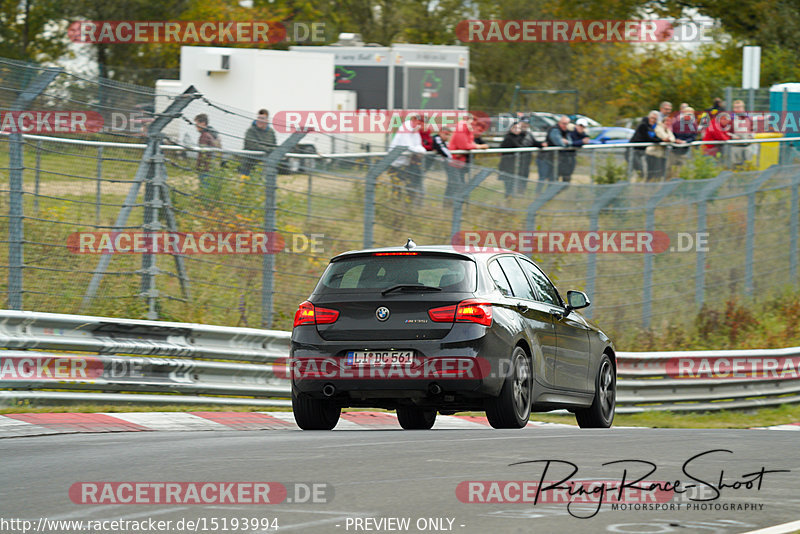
(328, 390)
(434, 388)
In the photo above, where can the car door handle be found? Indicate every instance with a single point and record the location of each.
(522, 308)
(557, 313)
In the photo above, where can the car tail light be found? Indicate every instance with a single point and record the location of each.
(307, 313)
(467, 311)
(475, 312)
(445, 314)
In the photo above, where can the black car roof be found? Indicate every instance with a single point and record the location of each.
(472, 254)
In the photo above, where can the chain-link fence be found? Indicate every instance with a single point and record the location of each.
(733, 233)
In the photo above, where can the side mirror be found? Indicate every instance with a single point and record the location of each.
(576, 300)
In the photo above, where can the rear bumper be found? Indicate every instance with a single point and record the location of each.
(464, 364)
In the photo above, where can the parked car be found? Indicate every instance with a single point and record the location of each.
(609, 135)
(434, 329)
(592, 123)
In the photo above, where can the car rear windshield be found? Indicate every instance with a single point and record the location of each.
(382, 272)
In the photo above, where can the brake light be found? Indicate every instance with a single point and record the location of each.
(467, 311)
(396, 254)
(307, 313)
(474, 311)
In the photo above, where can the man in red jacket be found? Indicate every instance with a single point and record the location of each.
(718, 130)
(463, 139)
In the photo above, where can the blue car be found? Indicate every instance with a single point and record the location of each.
(609, 135)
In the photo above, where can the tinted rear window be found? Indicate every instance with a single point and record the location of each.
(382, 272)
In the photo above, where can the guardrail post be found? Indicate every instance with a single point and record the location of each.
(16, 235)
(462, 195)
(751, 223)
(700, 266)
(547, 195)
(369, 191)
(647, 280)
(271, 162)
(794, 210)
(611, 192)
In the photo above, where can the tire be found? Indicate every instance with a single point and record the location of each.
(512, 408)
(601, 413)
(413, 418)
(314, 414)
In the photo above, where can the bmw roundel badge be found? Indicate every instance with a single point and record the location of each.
(382, 313)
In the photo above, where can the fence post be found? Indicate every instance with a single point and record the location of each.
(650, 217)
(751, 223)
(36, 175)
(270, 174)
(611, 192)
(142, 173)
(369, 191)
(99, 179)
(462, 195)
(700, 265)
(151, 224)
(16, 166)
(793, 228)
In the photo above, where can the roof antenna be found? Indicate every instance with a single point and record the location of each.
(410, 244)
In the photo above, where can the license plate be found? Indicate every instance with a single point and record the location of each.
(389, 357)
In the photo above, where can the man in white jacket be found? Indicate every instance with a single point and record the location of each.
(408, 165)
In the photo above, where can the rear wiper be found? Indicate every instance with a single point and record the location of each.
(410, 286)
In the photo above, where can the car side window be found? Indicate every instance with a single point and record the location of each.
(499, 278)
(547, 292)
(519, 283)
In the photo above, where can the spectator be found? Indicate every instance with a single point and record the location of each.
(664, 110)
(209, 138)
(741, 128)
(525, 158)
(683, 107)
(657, 154)
(464, 138)
(556, 137)
(259, 137)
(577, 137)
(718, 129)
(509, 166)
(644, 133)
(685, 130)
(440, 141)
(709, 115)
(408, 167)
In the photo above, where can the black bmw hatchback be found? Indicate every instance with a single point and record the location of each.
(432, 329)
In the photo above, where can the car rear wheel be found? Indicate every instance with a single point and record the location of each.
(601, 413)
(414, 418)
(314, 414)
(512, 408)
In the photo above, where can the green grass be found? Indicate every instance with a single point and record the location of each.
(788, 413)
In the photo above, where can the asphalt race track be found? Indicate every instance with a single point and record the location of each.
(380, 474)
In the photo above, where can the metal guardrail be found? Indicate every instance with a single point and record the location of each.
(105, 360)
(150, 361)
